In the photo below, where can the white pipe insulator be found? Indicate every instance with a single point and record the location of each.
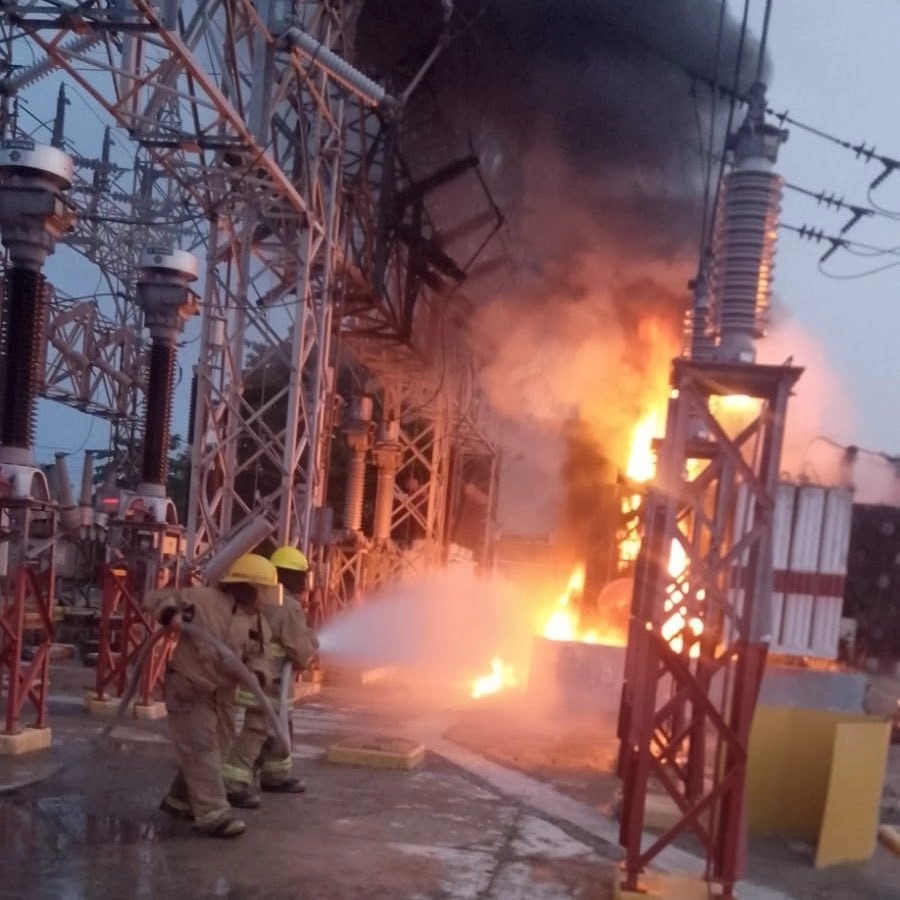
(743, 259)
(339, 69)
(353, 499)
(384, 504)
(66, 500)
(243, 542)
(27, 77)
(700, 341)
(87, 480)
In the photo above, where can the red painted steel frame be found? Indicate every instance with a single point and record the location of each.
(680, 702)
(125, 626)
(27, 609)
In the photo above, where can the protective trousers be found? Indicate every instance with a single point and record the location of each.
(202, 726)
(253, 748)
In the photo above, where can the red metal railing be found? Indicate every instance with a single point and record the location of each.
(27, 610)
(124, 627)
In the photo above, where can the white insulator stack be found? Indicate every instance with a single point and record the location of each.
(746, 229)
(357, 433)
(355, 491)
(699, 339)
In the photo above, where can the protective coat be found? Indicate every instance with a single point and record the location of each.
(294, 641)
(200, 691)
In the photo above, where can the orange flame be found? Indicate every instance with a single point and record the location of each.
(642, 468)
(501, 676)
(563, 622)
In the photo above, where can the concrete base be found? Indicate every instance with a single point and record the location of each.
(379, 753)
(666, 887)
(576, 677)
(108, 706)
(156, 709)
(28, 740)
(799, 688)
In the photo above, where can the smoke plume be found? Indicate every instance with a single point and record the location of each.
(588, 128)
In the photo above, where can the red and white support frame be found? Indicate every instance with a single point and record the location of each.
(701, 621)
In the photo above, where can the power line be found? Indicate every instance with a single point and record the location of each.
(832, 201)
(836, 242)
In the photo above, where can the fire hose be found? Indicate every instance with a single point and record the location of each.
(233, 665)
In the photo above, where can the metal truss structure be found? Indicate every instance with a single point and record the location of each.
(700, 621)
(255, 139)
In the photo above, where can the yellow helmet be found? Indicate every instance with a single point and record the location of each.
(252, 569)
(289, 558)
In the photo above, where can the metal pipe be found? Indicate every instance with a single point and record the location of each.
(66, 499)
(87, 480)
(242, 542)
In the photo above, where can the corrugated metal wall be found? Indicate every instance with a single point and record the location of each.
(811, 540)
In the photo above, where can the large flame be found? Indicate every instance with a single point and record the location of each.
(642, 468)
(562, 621)
(641, 459)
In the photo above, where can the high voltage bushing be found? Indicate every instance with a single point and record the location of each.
(700, 340)
(165, 296)
(357, 433)
(386, 454)
(33, 216)
(746, 229)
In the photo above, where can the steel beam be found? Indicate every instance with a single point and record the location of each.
(700, 620)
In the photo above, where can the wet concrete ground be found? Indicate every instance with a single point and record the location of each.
(92, 830)
(506, 806)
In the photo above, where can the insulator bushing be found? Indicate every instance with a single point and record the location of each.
(355, 492)
(160, 384)
(25, 314)
(743, 259)
(699, 338)
(384, 503)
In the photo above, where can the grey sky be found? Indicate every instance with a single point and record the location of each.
(835, 67)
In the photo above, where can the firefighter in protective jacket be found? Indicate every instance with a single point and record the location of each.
(292, 642)
(200, 690)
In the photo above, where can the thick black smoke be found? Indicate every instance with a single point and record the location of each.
(590, 119)
(603, 86)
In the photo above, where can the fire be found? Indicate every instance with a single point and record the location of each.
(641, 460)
(501, 676)
(563, 622)
(642, 468)
(675, 627)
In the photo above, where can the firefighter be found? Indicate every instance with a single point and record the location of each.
(200, 690)
(294, 642)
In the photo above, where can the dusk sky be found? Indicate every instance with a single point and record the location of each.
(834, 66)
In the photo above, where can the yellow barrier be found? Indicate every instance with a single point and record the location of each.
(818, 776)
